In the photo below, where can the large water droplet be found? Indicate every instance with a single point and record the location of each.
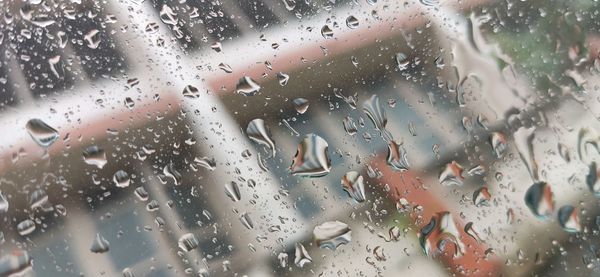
(301, 256)
(352, 22)
(121, 179)
(451, 174)
(312, 157)
(481, 197)
(94, 155)
(440, 231)
(171, 172)
(39, 200)
(283, 259)
(206, 162)
(26, 227)
(499, 143)
(585, 138)
(188, 242)
(332, 234)
(353, 184)
(247, 86)
(568, 219)
(350, 126)
(376, 112)
(100, 244)
(15, 263)
(247, 221)
(326, 32)
(397, 157)
(592, 179)
(41, 133)
(92, 38)
(258, 132)
(540, 200)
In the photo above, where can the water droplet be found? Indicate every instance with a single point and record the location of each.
(247, 221)
(283, 259)
(332, 234)
(167, 15)
(568, 219)
(16, 263)
(100, 244)
(477, 170)
(397, 157)
(481, 197)
(188, 242)
(39, 200)
(402, 61)
(283, 78)
(352, 22)
(451, 175)
(151, 27)
(233, 191)
(121, 179)
(129, 103)
(523, 138)
(301, 256)
(592, 179)
(564, 152)
(41, 133)
(585, 138)
(94, 155)
(141, 193)
(127, 272)
(499, 144)
(225, 67)
(206, 162)
(470, 230)
(191, 92)
(258, 132)
(217, 47)
(247, 86)
(26, 227)
(170, 171)
(375, 112)
(353, 184)
(429, 2)
(440, 231)
(92, 38)
(152, 206)
(3, 203)
(289, 4)
(312, 157)
(300, 104)
(350, 126)
(326, 32)
(540, 200)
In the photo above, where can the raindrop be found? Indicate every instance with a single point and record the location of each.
(167, 15)
(353, 184)
(402, 61)
(258, 132)
(170, 171)
(94, 155)
(26, 227)
(39, 200)
(289, 4)
(100, 244)
(301, 105)
(283, 259)
(301, 256)
(283, 78)
(247, 86)
(564, 152)
(41, 133)
(350, 126)
(397, 157)
(191, 92)
(15, 263)
(451, 175)
(129, 103)
(375, 112)
(151, 27)
(592, 179)
(523, 138)
(540, 200)
(332, 234)
(188, 242)
(127, 272)
(233, 191)
(470, 230)
(352, 22)
(206, 162)
(247, 221)
(3, 203)
(121, 179)
(477, 170)
(152, 206)
(499, 144)
(141, 193)
(481, 197)
(429, 2)
(440, 231)
(585, 138)
(312, 157)
(568, 219)
(92, 38)
(225, 67)
(326, 32)
(217, 47)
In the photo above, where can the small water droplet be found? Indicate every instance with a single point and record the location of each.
(206, 162)
(170, 171)
(568, 219)
(258, 132)
(247, 86)
(283, 78)
(225, 67)
(481, 197)
(233, 191)
(301, 105)
(92, 38)
(499, 143)
(94, 155)
(191, 92)
(350, 126)
(3, 203)
(247, 221)
(352, 22)
(26, 227)
(402, 61)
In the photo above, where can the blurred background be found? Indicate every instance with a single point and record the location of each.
(299, 138)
